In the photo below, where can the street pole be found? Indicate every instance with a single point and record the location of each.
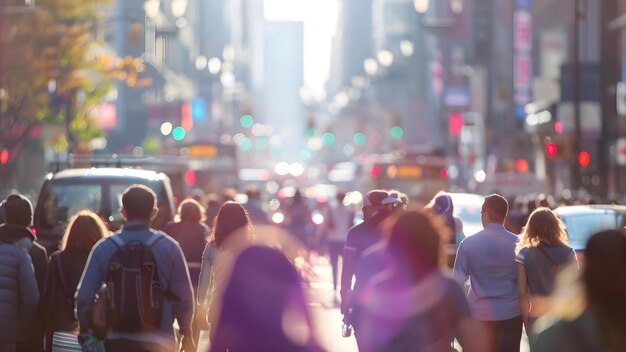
(576, 174)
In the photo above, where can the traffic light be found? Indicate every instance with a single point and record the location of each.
(521, 165)
(190, 177)
(558, 127)
(310, 126)
(328, 138)
(456, 123)
(50, 62)
(358, 138)
(551, 149)
(179, 133)
(397, 132)
(4, 156)
(584, 159)
(186, 120)
(246, 121)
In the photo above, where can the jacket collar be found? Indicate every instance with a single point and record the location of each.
(14, 233)
(134, 226)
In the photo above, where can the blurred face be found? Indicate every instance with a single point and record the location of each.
(484, 216)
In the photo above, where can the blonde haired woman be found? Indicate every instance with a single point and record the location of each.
(542, 251)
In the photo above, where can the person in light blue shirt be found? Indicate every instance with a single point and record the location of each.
(139, 208)
(485, 265)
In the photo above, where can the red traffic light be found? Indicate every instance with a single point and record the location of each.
(375, 171)
(551, 149)
(4, 156)
(190, 177)
(521, 165)
(583, 159)
(455, 124)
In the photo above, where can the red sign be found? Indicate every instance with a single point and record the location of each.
(523, 25)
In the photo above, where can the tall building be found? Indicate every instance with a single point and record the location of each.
(283, 76)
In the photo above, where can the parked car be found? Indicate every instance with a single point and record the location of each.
(467, 207)
(98, 189)
(582, 221)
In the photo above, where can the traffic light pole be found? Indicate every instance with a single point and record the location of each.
(576, 174)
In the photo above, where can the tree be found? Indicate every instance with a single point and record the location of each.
(52, 70)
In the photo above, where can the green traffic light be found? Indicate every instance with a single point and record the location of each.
(178, 133)
(246, 121)
(246, 144)
(397, 132)
(358, 138)
(328, 138)
(310, 132)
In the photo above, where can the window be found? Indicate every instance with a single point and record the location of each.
(63, 201)
(581, 227)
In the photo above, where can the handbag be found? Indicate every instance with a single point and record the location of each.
(99, 313)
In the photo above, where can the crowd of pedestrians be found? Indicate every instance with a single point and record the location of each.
(409, 280)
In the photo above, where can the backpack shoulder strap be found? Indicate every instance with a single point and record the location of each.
(154, 238)
(118, 241)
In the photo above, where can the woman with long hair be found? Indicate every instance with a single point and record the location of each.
(84, 230)
(542, 251)
(591, 319)
(414, 305)
(264, 306)
(232, 230)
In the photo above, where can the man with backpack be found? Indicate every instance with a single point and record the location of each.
(147, 284)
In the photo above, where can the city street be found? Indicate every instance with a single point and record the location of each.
(488, 134)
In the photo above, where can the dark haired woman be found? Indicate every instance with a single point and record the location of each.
(414, 306)
(191, 233)
(232, 230)
(85, 229)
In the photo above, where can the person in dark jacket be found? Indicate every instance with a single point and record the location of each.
(191, 233)
(85, 229)
(18, 214)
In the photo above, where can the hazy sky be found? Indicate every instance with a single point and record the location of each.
(320, 22)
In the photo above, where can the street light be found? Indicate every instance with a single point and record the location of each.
(151, 7)
(371, 66)
(179, 7)
(385, 57)
(215, 65)
(407, 48)
(421, 6)
(201, 62)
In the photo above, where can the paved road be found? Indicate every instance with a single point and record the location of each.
(327, 317)
(325, 311)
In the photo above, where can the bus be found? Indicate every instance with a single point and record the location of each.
(420, 175)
